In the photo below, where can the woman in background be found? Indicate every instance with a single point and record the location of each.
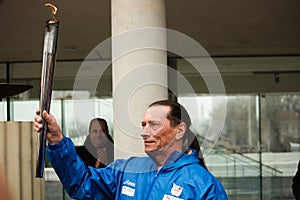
(98, 149)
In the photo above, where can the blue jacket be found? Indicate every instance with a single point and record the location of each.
(182, 177)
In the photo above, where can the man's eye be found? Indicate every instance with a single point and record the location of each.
(154, 124)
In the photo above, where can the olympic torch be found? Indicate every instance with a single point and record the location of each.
(49, 53)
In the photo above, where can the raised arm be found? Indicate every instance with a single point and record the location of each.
(78, 180)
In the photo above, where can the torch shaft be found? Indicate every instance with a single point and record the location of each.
(49, 53)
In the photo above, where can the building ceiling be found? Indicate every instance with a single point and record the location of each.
(223, 28)
(247, 39)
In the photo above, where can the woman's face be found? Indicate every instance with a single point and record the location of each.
(98, 133)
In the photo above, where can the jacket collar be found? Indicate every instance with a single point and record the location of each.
(178, 159)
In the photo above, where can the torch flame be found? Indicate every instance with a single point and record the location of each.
(54, 10)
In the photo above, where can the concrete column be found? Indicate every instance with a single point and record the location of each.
(139, 69)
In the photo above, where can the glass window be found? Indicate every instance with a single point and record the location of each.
(79, 113)
(2, 72)
(281, 123)
(3, 111)
(257, 151)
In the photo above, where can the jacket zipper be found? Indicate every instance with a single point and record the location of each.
(155, 177)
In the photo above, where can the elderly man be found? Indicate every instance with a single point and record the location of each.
(173, 169)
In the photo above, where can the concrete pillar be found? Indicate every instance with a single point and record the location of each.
(18, 154)
(139, 69)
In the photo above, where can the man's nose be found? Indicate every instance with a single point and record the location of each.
(146, 132)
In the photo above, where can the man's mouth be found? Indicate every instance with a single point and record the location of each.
(148, 142)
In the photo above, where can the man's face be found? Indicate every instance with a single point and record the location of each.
(157, 133)
(98, 134)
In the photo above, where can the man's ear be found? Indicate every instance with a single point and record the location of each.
(180, 131)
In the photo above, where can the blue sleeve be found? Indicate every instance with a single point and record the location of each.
(204, 185)
(218, 192)
(80, 182)
(212, 188)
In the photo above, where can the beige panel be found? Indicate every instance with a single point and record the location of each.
(38, 183)
(2, 145)
(18, 151)
(13, 158)
(26, 164)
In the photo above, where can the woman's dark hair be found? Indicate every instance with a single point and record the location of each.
(99, 120)
(177, 115)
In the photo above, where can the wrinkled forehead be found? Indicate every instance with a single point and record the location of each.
(157, 112)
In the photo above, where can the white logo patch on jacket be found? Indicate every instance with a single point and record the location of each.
(176, 190)
(169, 197)
(128, 190)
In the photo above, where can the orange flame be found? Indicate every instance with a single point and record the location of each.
(54, 10)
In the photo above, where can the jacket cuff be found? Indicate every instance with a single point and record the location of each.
(58, 145)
